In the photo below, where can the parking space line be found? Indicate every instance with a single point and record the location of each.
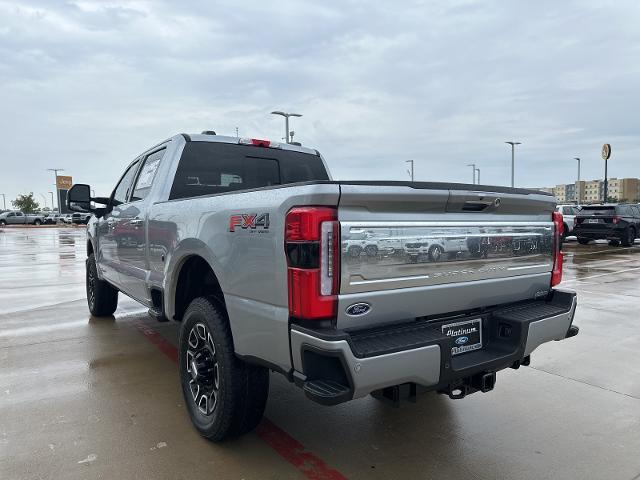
(602, 275)
(311, 466)
(604, 250)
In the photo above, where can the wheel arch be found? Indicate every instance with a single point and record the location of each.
(191, 271)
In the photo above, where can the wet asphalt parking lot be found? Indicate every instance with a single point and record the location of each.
(84, 397)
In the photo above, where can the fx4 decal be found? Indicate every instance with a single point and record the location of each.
(251, 221)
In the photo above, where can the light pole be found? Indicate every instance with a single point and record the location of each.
(473, 166)
(55, 171)
(513, 161)
(478, 170)
(4, 201)
(286, 121)
(45, 199)
(410, 172)
(578, 199)
(51, 201)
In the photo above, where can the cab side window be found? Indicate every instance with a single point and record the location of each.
(121, 193)
(146, 175)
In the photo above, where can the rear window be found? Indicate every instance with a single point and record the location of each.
(207, 168)
(598, 210)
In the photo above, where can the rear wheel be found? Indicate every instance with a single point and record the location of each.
(354, 251)
(102, 298)
(583, 241)
(614, 243)
(628, 237)
(37, 221)
(3, 223)
(225, 397)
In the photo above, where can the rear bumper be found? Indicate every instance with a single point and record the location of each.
(336, 366)
(598, 233)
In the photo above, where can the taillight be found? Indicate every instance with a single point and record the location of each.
(558, 224)
(616, 219)
(312, 239)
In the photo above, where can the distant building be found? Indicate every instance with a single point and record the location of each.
(624, 189)
(592, 191)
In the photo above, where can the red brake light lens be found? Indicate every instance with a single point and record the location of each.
(558, 223)
(257, 142)
(312, 234)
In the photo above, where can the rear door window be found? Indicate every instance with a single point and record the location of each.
(146, 175)
(208, 168)
(624, 210)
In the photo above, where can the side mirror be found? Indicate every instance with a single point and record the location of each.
(79, 198)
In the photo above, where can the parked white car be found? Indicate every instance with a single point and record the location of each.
(569, 213)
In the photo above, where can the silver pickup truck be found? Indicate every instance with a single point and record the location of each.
(19, 218)
(242, 241)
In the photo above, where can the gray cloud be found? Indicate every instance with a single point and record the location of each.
(87, 85)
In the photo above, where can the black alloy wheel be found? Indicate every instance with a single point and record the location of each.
(203, 369)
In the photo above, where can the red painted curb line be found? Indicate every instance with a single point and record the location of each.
(284, 444)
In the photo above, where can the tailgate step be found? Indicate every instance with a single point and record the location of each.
(327, 392)
(531, 311)
(390, 339)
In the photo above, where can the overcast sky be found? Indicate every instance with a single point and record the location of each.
(86, 86)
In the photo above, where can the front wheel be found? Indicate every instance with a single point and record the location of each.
(101, 296)
(225, 397)
(583, 241)
(37, 222)
(2, 223)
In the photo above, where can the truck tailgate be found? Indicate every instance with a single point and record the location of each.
(440, 248)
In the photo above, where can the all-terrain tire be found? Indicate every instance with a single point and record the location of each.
(241, 389)
(102, 298)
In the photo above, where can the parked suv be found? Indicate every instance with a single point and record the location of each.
(616, 223)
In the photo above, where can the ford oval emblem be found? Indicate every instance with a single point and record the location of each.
(358, 309)
(462, 340)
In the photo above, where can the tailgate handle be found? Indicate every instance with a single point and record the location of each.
(475, 206)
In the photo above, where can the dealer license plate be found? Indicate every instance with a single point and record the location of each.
(466, 335)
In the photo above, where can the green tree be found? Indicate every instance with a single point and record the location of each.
(26, 203)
